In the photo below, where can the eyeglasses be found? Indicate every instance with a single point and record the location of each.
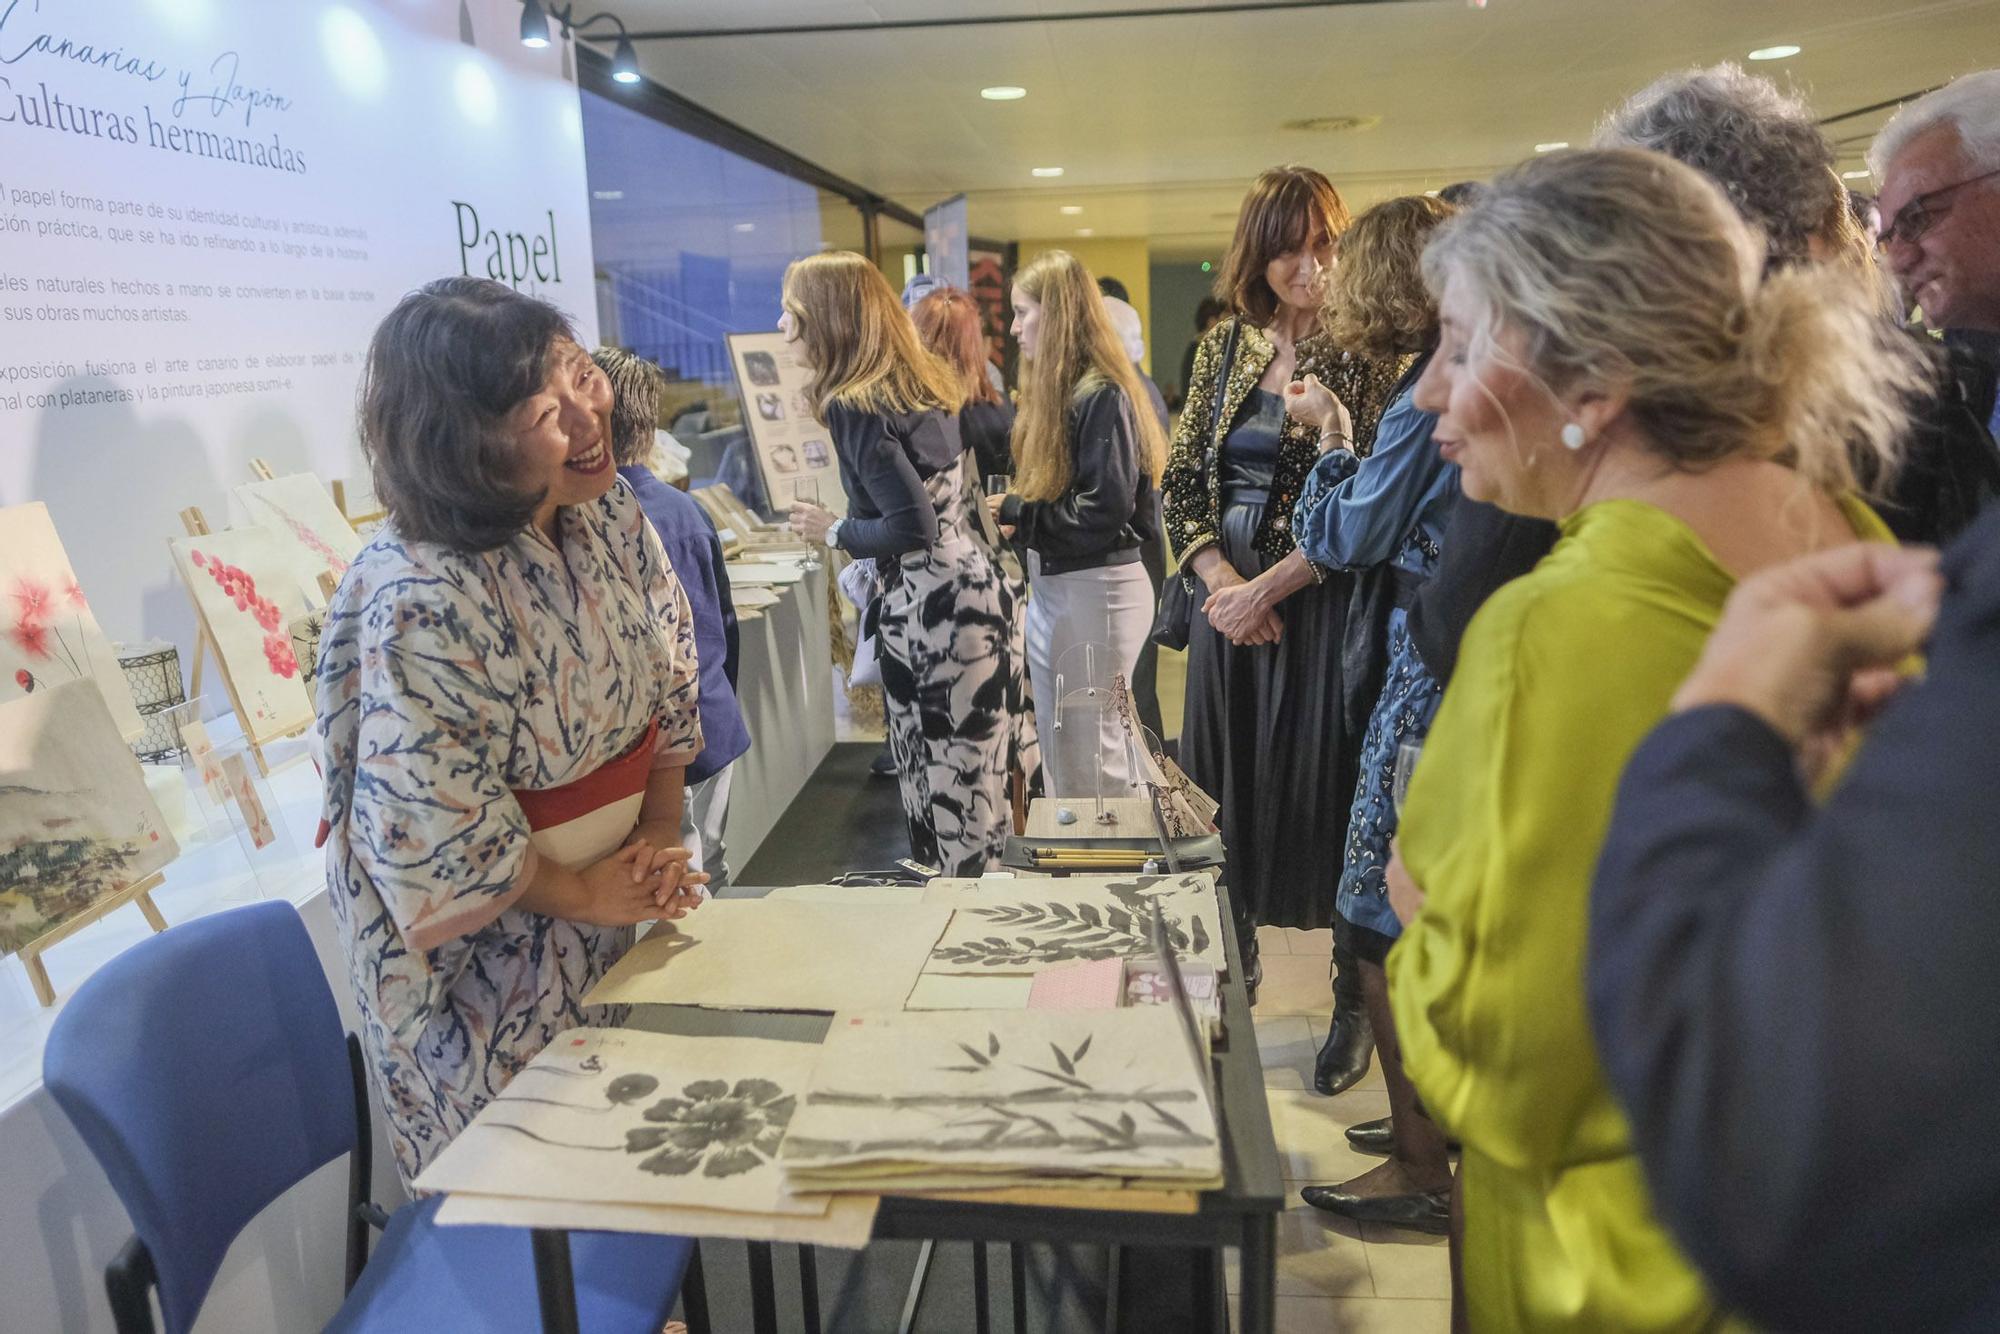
(1921, 214)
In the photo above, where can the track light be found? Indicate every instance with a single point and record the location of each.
(625, 61)
(534, 24)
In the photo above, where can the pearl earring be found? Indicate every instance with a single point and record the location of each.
(1572, 436)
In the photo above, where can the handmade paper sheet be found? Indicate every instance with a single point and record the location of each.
(613, 1116)
(47, 633)
(848, 1223)
(314, 534)
(1034, 1094)
(1026, 925)
(244, 584)
(77, 824)
(760, 954)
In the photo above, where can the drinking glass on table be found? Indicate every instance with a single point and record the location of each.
(1406, 764)
(806, 491)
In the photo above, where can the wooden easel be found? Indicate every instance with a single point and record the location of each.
(140, 893)
(339, 489)
(197, 526)
(261, 470)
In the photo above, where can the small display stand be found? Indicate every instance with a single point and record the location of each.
(141, 893)
(1085, 761)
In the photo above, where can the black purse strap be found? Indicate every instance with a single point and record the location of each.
(1222, 391)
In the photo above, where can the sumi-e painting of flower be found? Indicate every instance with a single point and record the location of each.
(248, 598)
(47, 633)
(76, 822)
(315, 535)
(615, 1116)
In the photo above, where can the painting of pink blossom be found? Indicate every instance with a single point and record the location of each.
(244, 586)
(77, 824)
(47, 632)
(315, 535)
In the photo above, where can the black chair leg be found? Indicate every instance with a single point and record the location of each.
(360, 1169)
(809, 1289)
(694, 1294)
(1017, 1264)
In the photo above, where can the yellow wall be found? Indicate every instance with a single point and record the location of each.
(1128, 259)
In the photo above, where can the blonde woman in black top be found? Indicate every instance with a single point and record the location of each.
(1088, 452)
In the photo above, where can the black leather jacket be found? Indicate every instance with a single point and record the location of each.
(1111, 507)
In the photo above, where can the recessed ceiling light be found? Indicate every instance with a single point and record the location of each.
(1552, 146)
(1071, 209)
(1045, 171)
(1003, 92)
(607, 194)
(1086, 231)
(1861, 175)
(746, 226)
(1780, 52)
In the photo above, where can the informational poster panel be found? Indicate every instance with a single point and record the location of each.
(988, 285)
(790, 445)
(947, 236)
(207, 207)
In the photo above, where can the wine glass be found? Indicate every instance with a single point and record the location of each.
(1406, 764)
(806, 491)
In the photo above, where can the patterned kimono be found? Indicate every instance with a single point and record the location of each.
(480, 712)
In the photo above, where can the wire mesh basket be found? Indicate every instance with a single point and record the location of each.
(154, 673)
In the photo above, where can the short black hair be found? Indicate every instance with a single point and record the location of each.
(1113, 288)
(444, 370)
(1462, 194)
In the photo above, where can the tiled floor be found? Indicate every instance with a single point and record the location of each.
(1332, 1275)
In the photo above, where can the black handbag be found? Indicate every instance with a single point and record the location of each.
(1174, 621)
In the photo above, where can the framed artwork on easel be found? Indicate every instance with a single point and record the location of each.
(316, 537)
(790, 445)
(80, 834)
(246, 598)
(47, 632)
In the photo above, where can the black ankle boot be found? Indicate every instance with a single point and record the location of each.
(1350, 1039)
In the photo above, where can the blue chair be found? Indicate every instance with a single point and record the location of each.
(205, 1069)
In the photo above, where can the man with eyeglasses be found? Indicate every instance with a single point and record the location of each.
(1938, 164)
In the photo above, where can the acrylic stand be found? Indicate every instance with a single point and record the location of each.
(1075, 751)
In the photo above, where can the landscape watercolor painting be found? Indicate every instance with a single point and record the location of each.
(47, 632)
(77, 824)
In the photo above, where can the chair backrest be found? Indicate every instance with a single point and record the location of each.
(206, 1070)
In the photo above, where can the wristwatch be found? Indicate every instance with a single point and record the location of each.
(833, 533)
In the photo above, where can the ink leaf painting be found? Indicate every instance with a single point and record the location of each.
(243, 583)
(76, 822)
(1024, 926)
(315, 536)
(47, 632)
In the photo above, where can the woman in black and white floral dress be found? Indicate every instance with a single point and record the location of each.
(945, 619)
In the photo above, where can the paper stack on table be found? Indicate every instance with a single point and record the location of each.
(647, 1132)
(982, 1100)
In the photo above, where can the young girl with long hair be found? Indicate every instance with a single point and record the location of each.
(1088, 453)
(943, 617)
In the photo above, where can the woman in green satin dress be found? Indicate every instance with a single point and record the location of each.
(1613, 358)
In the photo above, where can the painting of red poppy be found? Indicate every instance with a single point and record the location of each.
(244, 584)
(47, 633)
(77, 824)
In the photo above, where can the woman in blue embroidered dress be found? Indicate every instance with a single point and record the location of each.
(507, 701)
(1389, 508)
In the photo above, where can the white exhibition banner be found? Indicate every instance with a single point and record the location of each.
(207, 206)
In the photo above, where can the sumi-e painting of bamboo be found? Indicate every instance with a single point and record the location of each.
(47, 632)
(314, 534)
(1028, 925)
(248, 598)
(1038, 1093)
(616, 1116)
(76, 822)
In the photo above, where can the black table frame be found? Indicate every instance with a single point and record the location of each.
(1242, 1213)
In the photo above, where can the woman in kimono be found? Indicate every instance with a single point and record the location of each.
(944, 619)
(1613, 358)
(507, 704)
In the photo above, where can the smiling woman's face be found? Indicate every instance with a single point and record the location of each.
(562, 431)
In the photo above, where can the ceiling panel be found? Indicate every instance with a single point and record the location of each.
(1159, 123)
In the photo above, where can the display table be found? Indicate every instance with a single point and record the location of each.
(1242, 1213)
(784, 683)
